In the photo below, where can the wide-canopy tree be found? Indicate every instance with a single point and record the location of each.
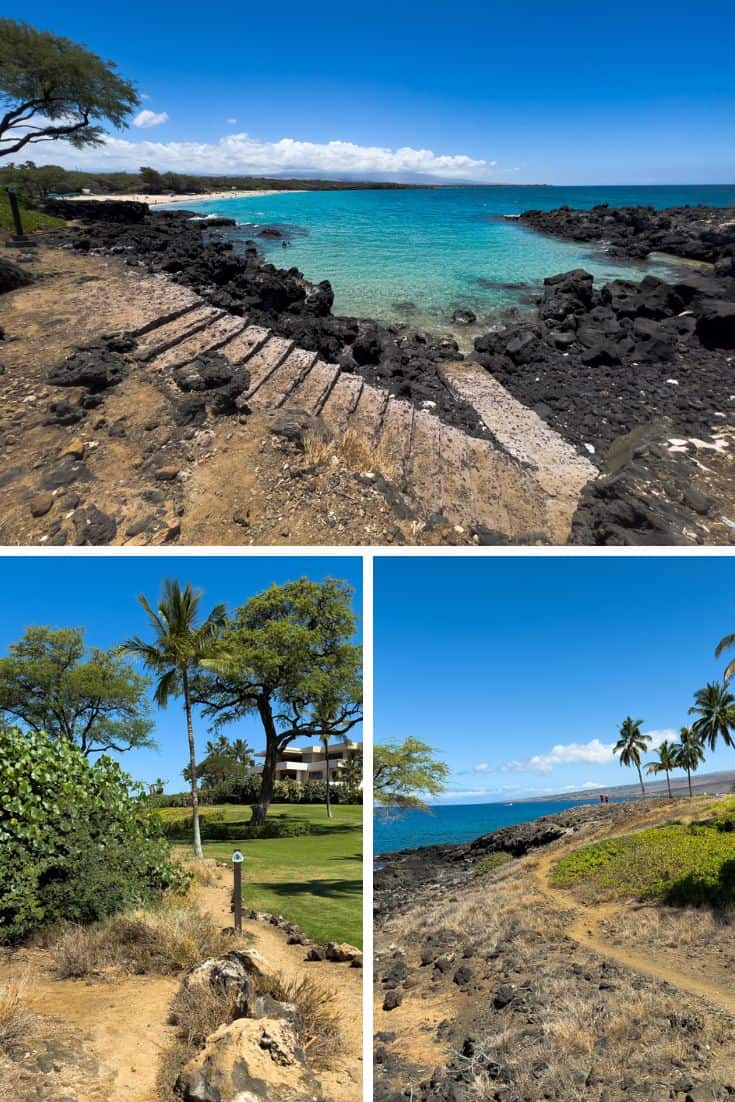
(94, 698)
(287, 656)
(406, 772)
(51, 87)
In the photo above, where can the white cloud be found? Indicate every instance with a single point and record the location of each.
(231, 122)
(146, 118)
(593, 752)
(482, 767)
(239, 153)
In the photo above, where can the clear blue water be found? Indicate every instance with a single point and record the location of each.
(442, 248)
(456, 822)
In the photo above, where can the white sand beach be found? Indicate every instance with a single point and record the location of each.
(157, 200)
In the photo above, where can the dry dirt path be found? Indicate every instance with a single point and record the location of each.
(343, 1083)
(122, 1022)
(584, 928)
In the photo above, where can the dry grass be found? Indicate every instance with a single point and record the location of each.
(140, 942)
(353, 450)
(319, 1035)
(17, 1022)
(197, 1012)
(589, 1019)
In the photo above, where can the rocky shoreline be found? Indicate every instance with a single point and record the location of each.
(638, 376)
(400, 878)
(201, 254)
(484, 988)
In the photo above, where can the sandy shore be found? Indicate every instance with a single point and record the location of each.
(158, 200)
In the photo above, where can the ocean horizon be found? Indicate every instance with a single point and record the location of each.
(445, 824)
(416, 255)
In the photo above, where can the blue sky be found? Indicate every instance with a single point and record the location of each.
(101, 593)
(543, 93)
(520, 670)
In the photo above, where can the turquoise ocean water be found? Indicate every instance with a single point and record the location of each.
(439, 249)
(456, 822)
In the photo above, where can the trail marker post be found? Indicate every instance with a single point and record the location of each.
(15, 211)
(237, 863)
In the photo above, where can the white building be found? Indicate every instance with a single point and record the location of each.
(307, 763)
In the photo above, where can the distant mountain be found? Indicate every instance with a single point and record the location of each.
(702, 783)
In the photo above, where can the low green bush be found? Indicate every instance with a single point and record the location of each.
(31, 219)
(214, 828)
(491, 862)
(78, 841)
(678, 863)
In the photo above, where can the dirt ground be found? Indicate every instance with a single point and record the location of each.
(128, 473)
(104, 1039)
(554, 996)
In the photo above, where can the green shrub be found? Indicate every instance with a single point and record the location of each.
(677, 863)
(78, 842)
(31, 219)
(491, 862)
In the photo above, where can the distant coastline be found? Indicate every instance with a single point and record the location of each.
(454, 824)
(171, 200)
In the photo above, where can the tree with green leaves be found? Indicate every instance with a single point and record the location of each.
(726, 643)
(288, 657)
(689, 753)
(151, 180)
(667, 760)
(226, 765)
(51, 88)
(78, 840)
(351, 772)
(181, 646)
(404, 773)
(631, 744)
(94, 698)
(715, 707)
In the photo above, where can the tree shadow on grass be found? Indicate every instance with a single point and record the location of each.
(695, 890)
(330, 889)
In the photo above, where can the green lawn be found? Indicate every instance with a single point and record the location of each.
(314, 879)
(32, 220)
(677, 863)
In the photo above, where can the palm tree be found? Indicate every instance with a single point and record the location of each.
(631, 744)
(667, 760)
(715, 706)
(325, 736)
(727, 643)
(689, 753)
(180, 647)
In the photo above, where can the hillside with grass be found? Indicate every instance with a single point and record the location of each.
(559, 964)
(681, 863)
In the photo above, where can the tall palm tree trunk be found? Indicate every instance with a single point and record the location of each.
(192, 767)
(689, 779)
(668, 784)
(326, 775)
(640, 778)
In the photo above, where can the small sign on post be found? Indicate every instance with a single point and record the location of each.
(15, 211)
(237, 862)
